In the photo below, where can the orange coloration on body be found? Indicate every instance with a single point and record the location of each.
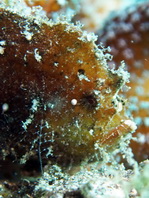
(127, 35)
(127, 125)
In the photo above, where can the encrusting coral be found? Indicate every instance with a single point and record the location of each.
(59, 101)
(127, 35)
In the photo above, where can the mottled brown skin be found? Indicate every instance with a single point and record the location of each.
(46, 69)
(128, 36)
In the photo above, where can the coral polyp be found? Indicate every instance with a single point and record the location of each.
(58, 99)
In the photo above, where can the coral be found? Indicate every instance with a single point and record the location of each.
(52, 8)
(127, 35)
(101, 182)
(92, 13)
(87, 12)
(59, 102)
(48, 6)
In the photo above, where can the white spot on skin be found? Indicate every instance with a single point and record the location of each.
(2, 50)
(66, 77)
(28, 35)
(83, 77)
(34, 108)
(80, 61)
(5, 107)
(72, 50)
(74, 102)
(96, 146)
(35, 105)
(56, 103)
(37, 55)
(119, 107)
(88, 37)
(56, 64)
(131, 124)
(2, 43)
(97, 92)
(50, 152)
(117, 104)
(77, 124)
(51, 106)
(91, 131)
(27, 122)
